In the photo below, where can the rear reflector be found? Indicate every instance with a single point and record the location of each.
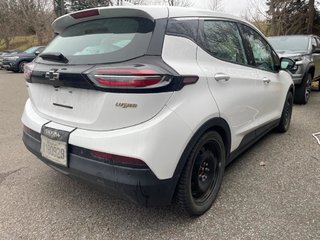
(86, 13)
(189, 80)
(117, 159)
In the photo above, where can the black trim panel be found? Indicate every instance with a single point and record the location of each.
(252, 138)
(76, 75)
(184, 28)
(61, 105)
(220, 125)
(157, 39)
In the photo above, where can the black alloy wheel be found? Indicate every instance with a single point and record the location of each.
(202, 176)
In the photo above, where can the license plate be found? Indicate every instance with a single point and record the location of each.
(55, 150)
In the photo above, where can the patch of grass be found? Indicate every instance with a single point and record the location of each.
(21, 42)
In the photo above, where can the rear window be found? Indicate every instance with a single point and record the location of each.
(103, 40)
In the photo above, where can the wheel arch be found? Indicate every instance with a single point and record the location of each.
(311, 70)
(292, 89)
(217, 124)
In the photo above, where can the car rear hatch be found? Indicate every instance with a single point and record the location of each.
(98, 72)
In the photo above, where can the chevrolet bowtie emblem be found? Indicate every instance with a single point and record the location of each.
(52, 75)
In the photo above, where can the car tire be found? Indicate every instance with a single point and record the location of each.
(21, 66)
(286, 114)
(303, 91)
(202, 175)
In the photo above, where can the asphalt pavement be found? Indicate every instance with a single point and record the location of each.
(280, 200)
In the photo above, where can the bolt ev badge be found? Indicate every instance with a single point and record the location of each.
(126, 105)
(52, 75)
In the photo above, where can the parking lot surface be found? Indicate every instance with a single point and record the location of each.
(280, 200)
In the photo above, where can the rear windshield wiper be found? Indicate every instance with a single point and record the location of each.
(54, 56)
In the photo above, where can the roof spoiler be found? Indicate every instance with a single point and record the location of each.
(70, 19)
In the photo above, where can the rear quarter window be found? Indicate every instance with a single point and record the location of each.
(103, 40)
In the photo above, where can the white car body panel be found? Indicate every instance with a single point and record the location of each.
(234, 97)
(94, 110)
(271, 95)
(148, 141)
(181, 53)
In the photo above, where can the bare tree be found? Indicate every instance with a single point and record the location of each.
(139, 2)
(36, 16)
(180, 3)
(6, 33)
(215, 5)
(257, 15)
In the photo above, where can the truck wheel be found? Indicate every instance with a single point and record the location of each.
(286, 114)
(303, 91)
(202, 175)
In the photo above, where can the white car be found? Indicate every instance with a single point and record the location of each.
(152, 103)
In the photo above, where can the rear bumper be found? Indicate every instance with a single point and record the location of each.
(136, 185)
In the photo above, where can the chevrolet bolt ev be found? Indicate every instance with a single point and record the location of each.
(152, 103)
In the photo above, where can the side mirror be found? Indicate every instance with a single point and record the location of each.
(287, 63)
(37, 52)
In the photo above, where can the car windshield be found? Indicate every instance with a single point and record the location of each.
(31, 50)
(103, 40)
(290, 43)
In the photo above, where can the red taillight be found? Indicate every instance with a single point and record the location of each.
(128, 78)
(28, 68)
(117, 158)
(128, 82)
(86, 13)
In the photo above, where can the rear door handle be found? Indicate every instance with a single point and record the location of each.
(221, 77)
(266, 80)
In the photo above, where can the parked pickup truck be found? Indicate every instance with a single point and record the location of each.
(305, 51)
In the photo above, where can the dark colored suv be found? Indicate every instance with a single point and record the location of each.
(7, 53)
(305, 51)
(16, 62)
